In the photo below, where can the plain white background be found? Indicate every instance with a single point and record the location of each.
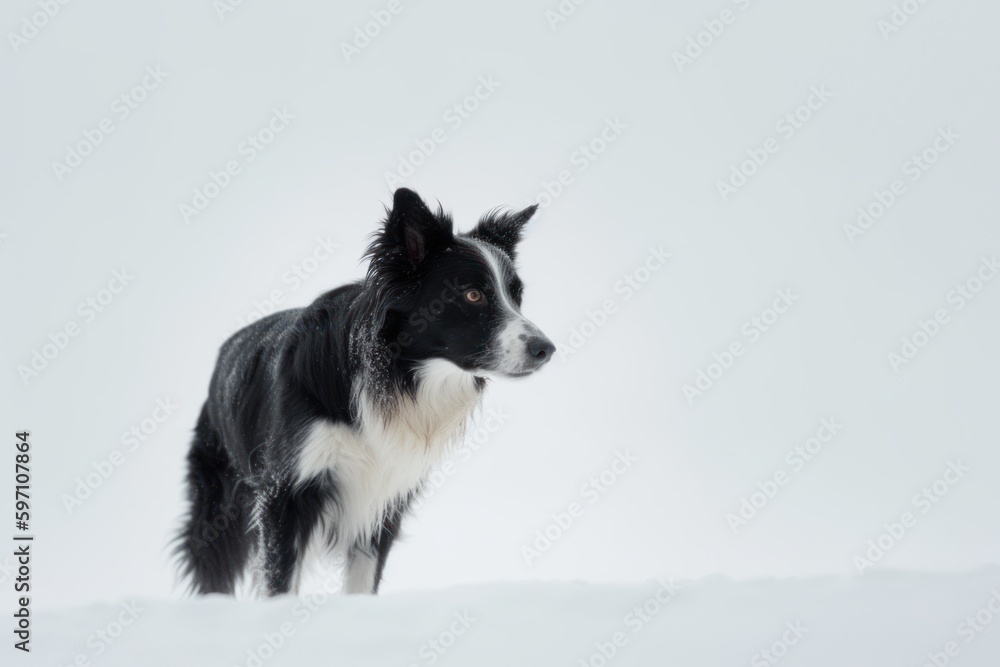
(654, 186)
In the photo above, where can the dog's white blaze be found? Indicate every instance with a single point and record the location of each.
(511, 347)
(489, 255)
(386, 456)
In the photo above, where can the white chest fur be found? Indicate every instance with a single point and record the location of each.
(387, 456)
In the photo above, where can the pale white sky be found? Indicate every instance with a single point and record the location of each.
(289, 144)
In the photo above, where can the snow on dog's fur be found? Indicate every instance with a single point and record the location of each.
(322, 422)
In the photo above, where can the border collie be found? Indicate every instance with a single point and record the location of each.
(322, 422)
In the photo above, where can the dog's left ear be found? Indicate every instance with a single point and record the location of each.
(503, 229)
(414, 228)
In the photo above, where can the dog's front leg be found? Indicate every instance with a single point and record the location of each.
(366, 558)
(361, 570)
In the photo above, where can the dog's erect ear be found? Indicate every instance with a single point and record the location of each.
(412, 226)
(503, 229)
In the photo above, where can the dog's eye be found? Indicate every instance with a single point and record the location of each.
(474, 296)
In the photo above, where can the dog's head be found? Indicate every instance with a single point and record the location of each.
(452, 296)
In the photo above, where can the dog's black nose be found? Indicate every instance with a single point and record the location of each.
(541, 349)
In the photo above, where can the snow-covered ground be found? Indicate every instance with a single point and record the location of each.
(881, 619)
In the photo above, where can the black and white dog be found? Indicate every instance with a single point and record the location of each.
(322, 422)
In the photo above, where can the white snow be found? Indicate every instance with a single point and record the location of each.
(885, 619)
